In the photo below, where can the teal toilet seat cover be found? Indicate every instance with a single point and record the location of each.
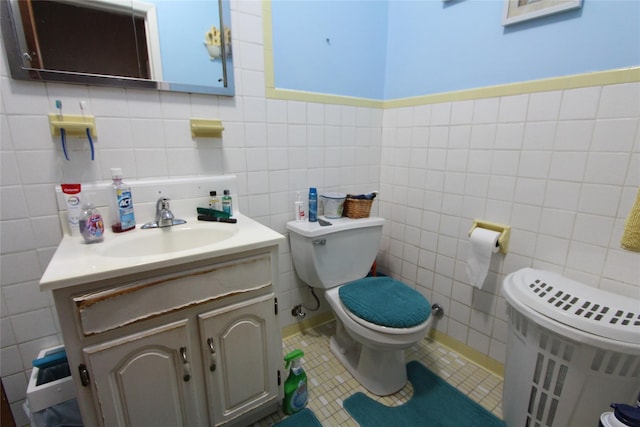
(385, 302)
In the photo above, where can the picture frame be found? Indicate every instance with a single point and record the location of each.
(523, 10)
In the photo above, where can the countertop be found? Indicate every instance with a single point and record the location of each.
(76, 262)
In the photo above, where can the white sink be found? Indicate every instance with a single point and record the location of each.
(159, 241)
(140, 251)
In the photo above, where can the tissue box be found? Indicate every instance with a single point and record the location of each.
(50, 392)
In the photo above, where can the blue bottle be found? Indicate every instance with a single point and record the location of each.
(313, 204)
(122, 217)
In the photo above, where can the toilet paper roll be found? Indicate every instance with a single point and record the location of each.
(483, 244)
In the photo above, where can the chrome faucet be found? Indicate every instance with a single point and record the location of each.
(164, 216)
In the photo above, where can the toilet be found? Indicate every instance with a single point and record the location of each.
(377, 318)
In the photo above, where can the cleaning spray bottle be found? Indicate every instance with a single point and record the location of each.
(295, 388)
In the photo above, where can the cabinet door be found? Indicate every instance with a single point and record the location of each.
(144, 379)
(242, 351)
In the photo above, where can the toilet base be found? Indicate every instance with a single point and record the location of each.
(379, 371)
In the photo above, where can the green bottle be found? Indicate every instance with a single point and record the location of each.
(295, 388)
(227, 204)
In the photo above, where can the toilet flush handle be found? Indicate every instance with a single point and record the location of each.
(321, 242)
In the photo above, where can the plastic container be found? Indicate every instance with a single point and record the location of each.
(51, 395)
(91, 224)
(73, 199)
(214, 201)
(333, 204)
(571, 350)
(295, 388)
(298, 208)
(227, 203)
(122, 217)
(313, 204)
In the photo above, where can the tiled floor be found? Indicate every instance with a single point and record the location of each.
(330, 383)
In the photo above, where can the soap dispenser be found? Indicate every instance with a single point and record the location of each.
(91, 224)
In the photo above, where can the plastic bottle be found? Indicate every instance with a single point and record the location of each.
(295, 388)
(313, 204)
(299, 207)
(122, 217)
(227, 203)
(214, 201)
(91, 224)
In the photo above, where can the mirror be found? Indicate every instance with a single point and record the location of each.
(172, 45)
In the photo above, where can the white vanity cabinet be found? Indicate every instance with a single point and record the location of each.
(139, 379)
(240, 372)
(189, 345)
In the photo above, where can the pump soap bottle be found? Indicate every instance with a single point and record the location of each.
(122, 218)
(91, 224)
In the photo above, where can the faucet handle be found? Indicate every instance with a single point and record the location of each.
(162, 203)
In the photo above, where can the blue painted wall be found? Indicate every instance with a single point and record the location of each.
(351, 62)
(394, 49)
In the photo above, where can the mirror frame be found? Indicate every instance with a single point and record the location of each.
(20, 72)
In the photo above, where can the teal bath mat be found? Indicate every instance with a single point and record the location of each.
(303, 418)
(434, 403)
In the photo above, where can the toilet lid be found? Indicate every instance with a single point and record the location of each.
(385, 302)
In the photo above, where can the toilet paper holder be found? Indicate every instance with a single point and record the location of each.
(504, 230)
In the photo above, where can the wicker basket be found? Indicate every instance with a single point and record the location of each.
(357, 208)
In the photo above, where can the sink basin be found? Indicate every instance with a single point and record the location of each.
(145, 251)
(167, 240)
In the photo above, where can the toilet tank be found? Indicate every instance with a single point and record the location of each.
(325, 257)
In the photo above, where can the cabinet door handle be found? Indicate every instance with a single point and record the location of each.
(84, 375)
(186, 367)
(212, 355)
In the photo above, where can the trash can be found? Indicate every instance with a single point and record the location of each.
(51, 396)
(571, 350)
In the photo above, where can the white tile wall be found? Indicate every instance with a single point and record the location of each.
(275, 148)
(561, 167)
